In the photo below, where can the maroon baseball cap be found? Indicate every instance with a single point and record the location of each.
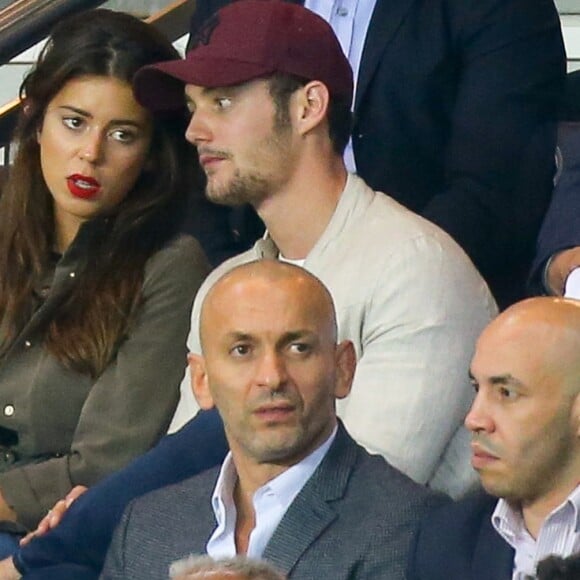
(245, 40)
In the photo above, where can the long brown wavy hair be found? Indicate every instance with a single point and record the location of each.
(96, 315)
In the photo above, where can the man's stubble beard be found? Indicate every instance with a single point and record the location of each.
(241, 189)
(254, 187)
(533, 480)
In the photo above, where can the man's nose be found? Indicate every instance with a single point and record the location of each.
(479, 418)
(271, 371)
(198, 130)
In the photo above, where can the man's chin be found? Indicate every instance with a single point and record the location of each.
(497, 487)
(280, 450)
(223, 196)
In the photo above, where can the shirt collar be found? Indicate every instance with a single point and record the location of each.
(574, 501)
(509, 522)
(353, 201)
(289, 483)
(285, 486)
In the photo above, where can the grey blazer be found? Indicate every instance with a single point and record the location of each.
(354, 518)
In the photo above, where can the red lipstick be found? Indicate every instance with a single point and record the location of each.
(82, 186)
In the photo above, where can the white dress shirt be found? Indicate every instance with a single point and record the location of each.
(350, 20)
(559, 534)
(271, 501)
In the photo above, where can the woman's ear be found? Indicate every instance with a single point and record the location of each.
(199, 382)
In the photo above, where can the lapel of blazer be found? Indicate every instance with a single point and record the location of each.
(386, 19)
(493, 558)
(311, 513)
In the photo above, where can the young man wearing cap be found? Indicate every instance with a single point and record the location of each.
(270, 120)
(454, 113)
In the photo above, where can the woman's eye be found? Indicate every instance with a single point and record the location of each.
(122, 135)
(72, 122)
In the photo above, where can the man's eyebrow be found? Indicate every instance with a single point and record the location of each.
(236, 335)
(208, 91)
(298, 334)
(505, 379)
(293, 335)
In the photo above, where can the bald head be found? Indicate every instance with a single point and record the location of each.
(544, 334)
(262, 278)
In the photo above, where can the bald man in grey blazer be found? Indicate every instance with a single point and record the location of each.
(273, 369)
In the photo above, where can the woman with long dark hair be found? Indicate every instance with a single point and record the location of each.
(95, 287)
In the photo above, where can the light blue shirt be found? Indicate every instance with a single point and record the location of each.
(271, 501)
(350, 21)
(559, 534)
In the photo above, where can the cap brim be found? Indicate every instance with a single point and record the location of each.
(160, 87)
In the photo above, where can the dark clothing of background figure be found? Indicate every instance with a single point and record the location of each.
(454, 118)
(222, 233)
(458, 542)
(561, 227)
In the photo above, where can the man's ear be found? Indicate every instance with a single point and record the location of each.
(199, 382)
(345, 367)
(312, 103)
(575, 415)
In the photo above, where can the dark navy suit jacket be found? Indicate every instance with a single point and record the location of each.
(458, 542)
(561, 227)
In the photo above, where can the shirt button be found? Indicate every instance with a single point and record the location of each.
(27, 344)
(342, 11)
(9, 410)
(72, 274)
(7, 457)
